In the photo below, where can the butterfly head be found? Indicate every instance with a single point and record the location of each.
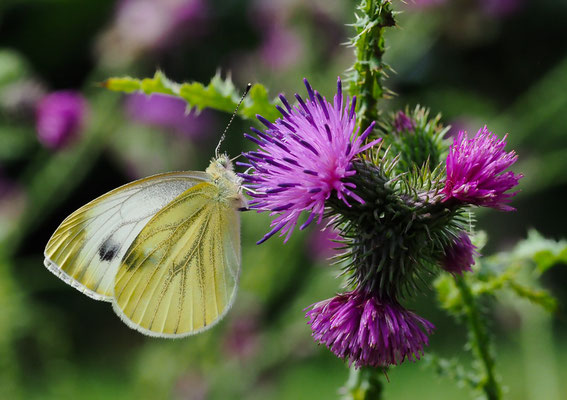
(222, 174)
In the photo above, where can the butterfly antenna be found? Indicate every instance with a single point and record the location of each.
(231, 119)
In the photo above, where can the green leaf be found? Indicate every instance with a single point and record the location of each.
(544, 252)
(220, 94)
(539, 297)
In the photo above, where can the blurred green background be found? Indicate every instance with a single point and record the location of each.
(497, 62)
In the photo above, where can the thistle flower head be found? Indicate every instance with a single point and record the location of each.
(460, 256)
(59, 118)
(368, 332)
(476, 171)
(304, 158)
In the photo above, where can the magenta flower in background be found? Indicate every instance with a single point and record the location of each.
(403, 123)
(60, 117)
(501, 8)
(168, 112)
(281, 48)
(368, 332)
(303, 159)
(476, 171)
(460, 256)
(149, 24)
(142, 26)
(321, 244)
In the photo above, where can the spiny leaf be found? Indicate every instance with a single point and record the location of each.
(220, 94)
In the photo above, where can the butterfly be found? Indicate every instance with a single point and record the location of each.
(165, 250)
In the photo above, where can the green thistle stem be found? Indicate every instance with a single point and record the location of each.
(480, 342)
(363, 384)
(366, 83)
(369, 47)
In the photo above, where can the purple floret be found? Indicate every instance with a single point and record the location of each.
(460, 256)
(476, 171)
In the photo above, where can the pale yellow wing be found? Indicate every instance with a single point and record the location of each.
(180, 274)
(86, 249)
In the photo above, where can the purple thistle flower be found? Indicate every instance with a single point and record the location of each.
(368, 332)
(475, 171)
(460, 256)
(59, 118)
(403, 123)
(303, 159)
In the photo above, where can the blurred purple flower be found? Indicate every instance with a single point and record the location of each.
(459, 257)
(150, 23)
(303, 158)
(281, 48)
(192, 385)
(321, 245)
(242, 337)
(368, 332)
(60, 117)
(167, 112)
(403, 123)
(501, 8)
(476, 171)
(140, 26)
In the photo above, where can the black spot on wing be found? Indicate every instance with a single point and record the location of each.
(108, 250)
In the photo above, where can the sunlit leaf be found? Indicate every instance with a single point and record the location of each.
(220, 94)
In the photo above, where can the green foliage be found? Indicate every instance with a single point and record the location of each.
(509, 271)
(545, 253)
(220, 94)
(515, 271)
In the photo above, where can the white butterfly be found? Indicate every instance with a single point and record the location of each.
(165, 250)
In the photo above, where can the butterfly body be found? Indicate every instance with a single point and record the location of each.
(165, 250)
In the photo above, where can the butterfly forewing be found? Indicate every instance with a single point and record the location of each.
(179, 275)
(87, 248)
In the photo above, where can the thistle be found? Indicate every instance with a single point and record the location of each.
(400, 211)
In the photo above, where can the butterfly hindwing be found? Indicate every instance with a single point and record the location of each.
(87, 248)
(179, 275)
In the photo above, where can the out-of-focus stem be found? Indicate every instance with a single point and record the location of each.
(480, 342)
